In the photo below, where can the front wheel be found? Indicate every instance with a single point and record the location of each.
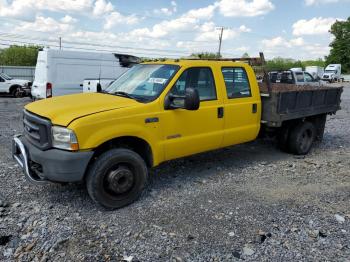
(117, 178)
(16, 92)
(301, 138)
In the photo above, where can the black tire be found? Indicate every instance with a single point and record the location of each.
(117, 178)
(301, 138)
(16, 92)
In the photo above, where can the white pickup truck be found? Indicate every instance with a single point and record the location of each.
(293, 76)
(14, 87)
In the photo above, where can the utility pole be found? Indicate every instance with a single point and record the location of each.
(60, 41)
(220, 40)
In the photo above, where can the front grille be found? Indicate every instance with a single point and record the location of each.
(37, 130)
(325, 76)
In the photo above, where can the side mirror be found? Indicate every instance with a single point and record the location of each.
(98, 88)
(190, 101)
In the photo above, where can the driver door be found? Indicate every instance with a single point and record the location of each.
(190, 132)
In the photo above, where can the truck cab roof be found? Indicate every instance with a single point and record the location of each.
(199, 62)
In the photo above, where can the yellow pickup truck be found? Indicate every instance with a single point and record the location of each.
(157, 112)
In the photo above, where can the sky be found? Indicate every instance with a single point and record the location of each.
(295, 29)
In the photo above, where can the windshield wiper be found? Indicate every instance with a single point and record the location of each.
(124, 94)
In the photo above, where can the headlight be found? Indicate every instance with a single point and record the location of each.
(64, 138)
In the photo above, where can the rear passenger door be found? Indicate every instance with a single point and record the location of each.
(242, 107)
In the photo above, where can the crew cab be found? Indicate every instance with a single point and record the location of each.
(157, 112)
(14, 87)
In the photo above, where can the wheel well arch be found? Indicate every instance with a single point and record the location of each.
(139, 145)
(13, 87)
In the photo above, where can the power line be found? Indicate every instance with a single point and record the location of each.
(93, 49)
(220, 40)
(89, 49)
(10, 37)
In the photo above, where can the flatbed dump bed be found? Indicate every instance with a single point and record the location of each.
(285, 102)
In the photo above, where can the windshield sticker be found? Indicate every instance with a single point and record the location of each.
(157, 80)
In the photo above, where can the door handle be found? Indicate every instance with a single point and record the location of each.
(254, 108)
(220, 112)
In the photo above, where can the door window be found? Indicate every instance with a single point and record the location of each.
(236, 81)
(200, 78)
(308, 78)
(1, 79)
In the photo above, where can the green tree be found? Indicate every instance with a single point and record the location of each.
(280, 63)
(245, 55)
(19, 55)
(319, 62)
(205, 55)
(340, 46)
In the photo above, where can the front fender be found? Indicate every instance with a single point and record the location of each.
(92, 134)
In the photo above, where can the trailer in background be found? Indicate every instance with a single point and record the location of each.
(316, 71)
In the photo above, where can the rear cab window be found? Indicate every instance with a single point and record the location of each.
(299, 76)
(236, 82)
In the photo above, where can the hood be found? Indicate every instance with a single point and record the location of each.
(62, 110)
(19, 81)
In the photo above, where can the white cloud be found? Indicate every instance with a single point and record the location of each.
(318, 2)
(101, 7)
(314, 26)
(45, 25)
(297, 41)
(244, 29)
(188, 21)
(281, 42)
(209, 32)
(67, 19)
(115, 18)
(296, 48)
(167, 10)
(202, 13)
(28, 8)
(241, 8)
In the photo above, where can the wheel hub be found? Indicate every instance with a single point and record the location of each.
(120, 180)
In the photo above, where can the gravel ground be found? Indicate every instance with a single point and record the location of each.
(249, 202)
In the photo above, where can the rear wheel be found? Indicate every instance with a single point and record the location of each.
(301, 138)
(117, 178)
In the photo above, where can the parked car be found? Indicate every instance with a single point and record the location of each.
(157, 112)
(332, 73)
(96, 85)
(292, 77)
(14, 87)
(316, 71)
(60, 72)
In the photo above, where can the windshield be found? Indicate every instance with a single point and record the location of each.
(6, 77)
(143, 81)
(330, 71)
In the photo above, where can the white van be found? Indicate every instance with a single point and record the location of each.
(315, 71)
(60, 72)
(92, 85)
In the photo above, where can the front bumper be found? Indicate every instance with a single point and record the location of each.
(50, 165)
